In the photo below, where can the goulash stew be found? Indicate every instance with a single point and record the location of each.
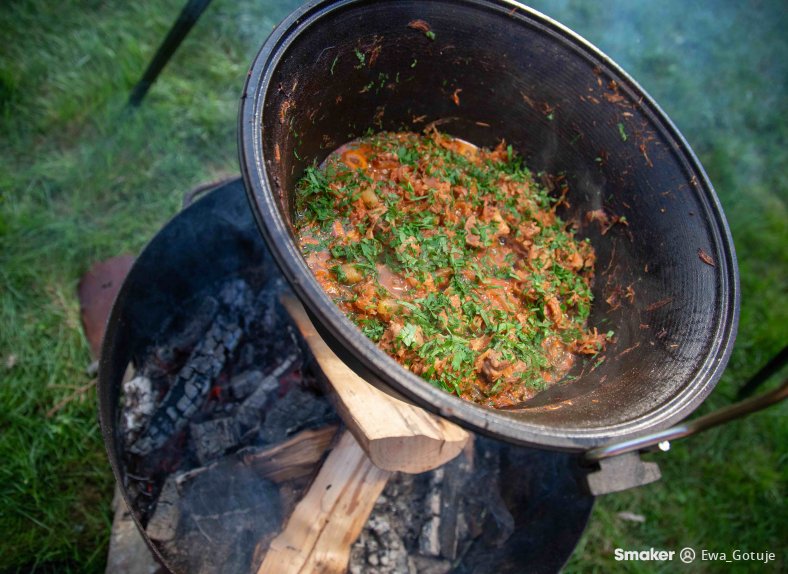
(453, 260)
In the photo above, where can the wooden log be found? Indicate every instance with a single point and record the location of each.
(292, 459)
(396, 436)
(329, 518)
(289, 460)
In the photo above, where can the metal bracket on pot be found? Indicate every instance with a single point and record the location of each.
(621, 473)
(620, 466)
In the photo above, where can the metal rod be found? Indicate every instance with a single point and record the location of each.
(186, 20)
(700, 424)
(771, 368)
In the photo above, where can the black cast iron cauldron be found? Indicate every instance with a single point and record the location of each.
(336, 68)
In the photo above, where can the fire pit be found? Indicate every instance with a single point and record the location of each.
(219, 426)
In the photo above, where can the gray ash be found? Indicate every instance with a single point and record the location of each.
(225, 374)
(434, 522)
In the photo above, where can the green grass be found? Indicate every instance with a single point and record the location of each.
(80, 180)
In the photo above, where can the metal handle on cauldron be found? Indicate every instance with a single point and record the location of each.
(619, 463)
(662, 439)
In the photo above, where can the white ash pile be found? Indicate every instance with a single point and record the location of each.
(224, 386)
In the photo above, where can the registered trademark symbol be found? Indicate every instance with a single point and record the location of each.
(687, 555)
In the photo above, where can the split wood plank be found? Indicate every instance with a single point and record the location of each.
(396, 435)
(289, 460)
(294, 458)
(329, 518)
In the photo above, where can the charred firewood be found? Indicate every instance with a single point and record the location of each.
(194, 380)
(251, 409)
(215, 437)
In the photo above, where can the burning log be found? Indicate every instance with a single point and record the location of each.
(299, 409)
(214, 437)
(221, 514)
(249, 413)
(199, 322)
(193, 382)
(243, 385)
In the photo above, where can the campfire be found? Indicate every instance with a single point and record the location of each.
(224, 425)
(243, 444)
